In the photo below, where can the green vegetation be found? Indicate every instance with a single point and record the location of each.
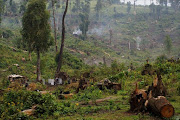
(168, 44)
(36, 29)
(149, 32)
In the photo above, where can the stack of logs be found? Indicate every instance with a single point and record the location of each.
(153, 100)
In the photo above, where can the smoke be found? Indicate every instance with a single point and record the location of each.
(138, 41)
(97, 31)
(77, 32)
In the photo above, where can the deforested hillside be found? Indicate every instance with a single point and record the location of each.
(90, 59)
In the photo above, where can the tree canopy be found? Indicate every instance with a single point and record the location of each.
(36, 28)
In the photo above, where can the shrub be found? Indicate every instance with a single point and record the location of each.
(91, 93)
(178, 89)
(16, 101)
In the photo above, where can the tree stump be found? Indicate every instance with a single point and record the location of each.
(160, 106)
(157, 88)
(137, 100)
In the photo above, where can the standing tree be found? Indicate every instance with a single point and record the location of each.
(76, 6)
(23, 6)
(98, 8)
(152, 8)
(162, 3)
(54, 20)
(36, 29)
(168, 44)
(110, 36)
(1, 9)
(13, 6)
(175, 4)
(128, 7)
(60, 57)
(158, 11)
(84, 23)
(135, 6)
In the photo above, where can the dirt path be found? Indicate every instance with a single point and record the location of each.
(100, 100)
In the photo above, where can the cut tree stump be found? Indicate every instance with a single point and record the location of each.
(137, 100)
(160, 106)
(157, 88)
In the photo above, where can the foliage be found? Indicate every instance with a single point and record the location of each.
(91, 93)
(168, 44)
(178, 89)
(97, 8)
(128, 7)
(84, 23)
(117, 77)
(36, 29)
(1, 8)
(70, 60)
(16, 101)
(161, 59)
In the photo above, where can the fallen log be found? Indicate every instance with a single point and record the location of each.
(160, 106)
(31, 111)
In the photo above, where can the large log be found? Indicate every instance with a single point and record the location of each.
(160, 106)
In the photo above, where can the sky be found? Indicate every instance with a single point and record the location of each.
(141, 2)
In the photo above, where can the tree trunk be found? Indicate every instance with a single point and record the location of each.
(54, 19)
(160, 106)
(110, 39)
(38, 66)
(129, 45)
(30, 58)
(104, 60)
(62, 40)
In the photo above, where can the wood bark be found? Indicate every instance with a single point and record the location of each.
(104, 60)
(157, 87)
(137, 100)
(160, 106)
(129, 45)
(54, 20)
(38, 66)
(30, 58)
(62, 40)
(110, 40)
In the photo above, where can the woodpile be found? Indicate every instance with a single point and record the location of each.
(83, 84)
(109, 85)
(153, 100)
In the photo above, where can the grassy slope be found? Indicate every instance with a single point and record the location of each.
(147, 29)
(8, 57)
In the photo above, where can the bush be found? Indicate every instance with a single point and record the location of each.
(178, 89)
(116, 77)
(91, 93)
(16, 101)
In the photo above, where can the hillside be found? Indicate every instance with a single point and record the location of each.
(120, 60)
(126, 29)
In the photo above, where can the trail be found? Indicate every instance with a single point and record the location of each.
(100, 100)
